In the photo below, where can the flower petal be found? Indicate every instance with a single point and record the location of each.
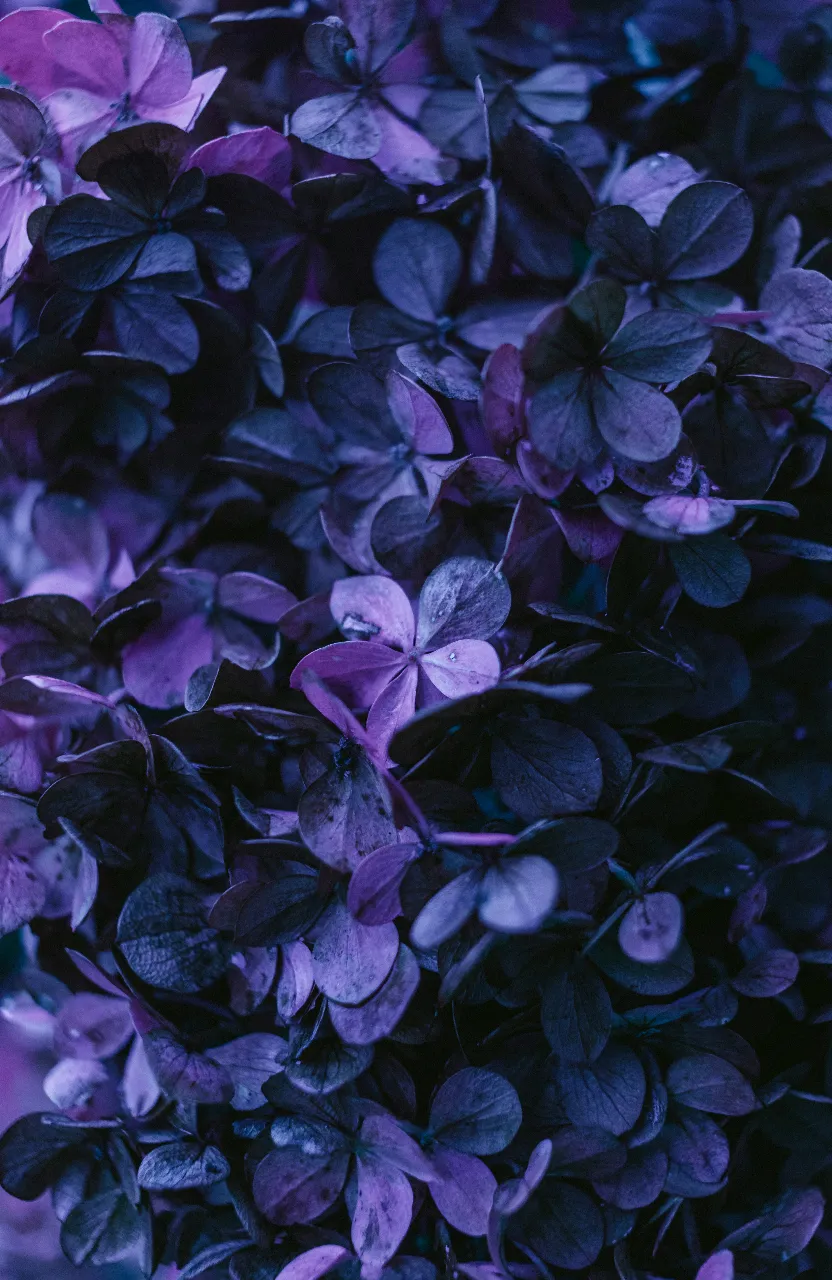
(373, 608)
(467, 666)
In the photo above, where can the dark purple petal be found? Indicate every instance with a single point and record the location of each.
(350, 961)
(361, 669)
(250, 1061)
(254, 597)
(291, 1185)
(373, 895)
(475, 1111)
(382, 1213)
(261, 153)
(463, 1190)
(380, 1015)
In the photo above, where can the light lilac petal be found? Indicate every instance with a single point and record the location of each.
(254, 596)
(446, 912)
(380, 1015)
(262, 153)
(89, 52)
(373, 608)
(250, 1061)
(22, 894)
(297, 978)
(157, 667)
(720, 1266)
(79, 117)
(390, 1143)
(86, 889)
(22, 55)
(185, 112)
(139, 1085)
(517, 895)
(411, 64)
(331, 706)
(373, 895)
(383, 1209)
(467, 666)
(463, 1190)
(18, 246)
(77, 583)
(21, 768)
(72, 1082)
(314, 1263)
(683, 513)
(405, 155)
(159, 63)
(291, 1185)
(350, 960)
(418, 415)
(92, 1026)
(360, 669)
(106, 8)
(392, 708)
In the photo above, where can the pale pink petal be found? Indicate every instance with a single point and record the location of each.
(90, 57)
(467, 666)
(263, 154)
(373, 608)
(392, 708)
(159, 62)
(22, 55)
(359, 669)
(185, 112)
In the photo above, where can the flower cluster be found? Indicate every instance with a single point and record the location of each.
(415, 765)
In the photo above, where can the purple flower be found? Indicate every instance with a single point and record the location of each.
(203, 618)
(318, 1152)
(405, 657)
(29, 178)
(96, 76)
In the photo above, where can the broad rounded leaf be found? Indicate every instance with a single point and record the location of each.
(576, 1013)
(416, 267)
(475, 1111)
(706, 228)
(182, 1166)
(707, 1083)
(165, 937)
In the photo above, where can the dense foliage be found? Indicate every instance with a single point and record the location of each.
(416, 555)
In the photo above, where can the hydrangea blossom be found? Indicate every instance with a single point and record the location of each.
(406, 655)
(414, 609)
